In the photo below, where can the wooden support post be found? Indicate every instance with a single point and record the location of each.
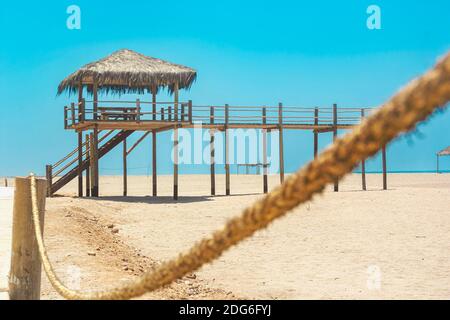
(154, 173)
(182, 112)
(80, 163)
(48, 175)
(88, 169)
(94, 154)
(316, 132)
(80, 141)
(383, 153)
(25, 271)
(363, 162)
(169, 113)
(154, 103)
(125, 183)
(175, 144)
(437, 163)
(92, 162)
(280, 141)
(72, 112)
(212, 152)
(162, 114)
(65, 118)
(335, 122)
(82, 110)
(264, 148)
(190, 111)
(227, 153)
(138, 110)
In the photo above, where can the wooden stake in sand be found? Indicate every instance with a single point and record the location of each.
(25, 272)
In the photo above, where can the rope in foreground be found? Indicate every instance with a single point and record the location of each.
(414, 103)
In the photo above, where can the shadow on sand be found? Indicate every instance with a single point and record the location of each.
(164, 199)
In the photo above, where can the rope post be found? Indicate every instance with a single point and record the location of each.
(264, 148)
(25, 272)
(316, 132)
(280, 140)
(212, 153)
(48, 174)
(227, 153)
(335, 122)
(363, 162)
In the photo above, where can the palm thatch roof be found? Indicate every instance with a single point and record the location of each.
(126, 71)
(445, 152)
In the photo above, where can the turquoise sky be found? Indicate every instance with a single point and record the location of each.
(303, 53)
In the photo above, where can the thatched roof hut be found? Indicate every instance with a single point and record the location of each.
(126, 71)
(445, 152)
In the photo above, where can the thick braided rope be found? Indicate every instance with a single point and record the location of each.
(412, 104)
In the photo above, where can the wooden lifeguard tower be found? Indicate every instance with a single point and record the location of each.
(103, 125)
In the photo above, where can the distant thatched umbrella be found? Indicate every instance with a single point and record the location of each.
(126, 71)
(444, 152)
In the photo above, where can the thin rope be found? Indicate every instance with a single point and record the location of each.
(412, 104)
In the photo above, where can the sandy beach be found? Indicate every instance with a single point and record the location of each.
(352, 244)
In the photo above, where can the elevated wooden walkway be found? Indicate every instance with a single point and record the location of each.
(161, 116)
(154, 117)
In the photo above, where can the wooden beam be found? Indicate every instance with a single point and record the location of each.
(88, 169)
(363, 162)
(175, 144)
(154, 103)
(264, 148)
(227, 153)
(383, 154)
(91, 162)
(154, 161)
(25, 270)
(80, 142)
(190, 111)
(316, 134)
(138, 142)
(212, 152)
(280, 141)
(124, 155)
(335, 121)
(94, 154)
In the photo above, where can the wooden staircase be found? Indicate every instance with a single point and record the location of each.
(72, 171)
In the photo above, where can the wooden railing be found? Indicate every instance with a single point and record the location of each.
(185, 112)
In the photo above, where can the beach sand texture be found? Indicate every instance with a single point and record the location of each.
(351, 244)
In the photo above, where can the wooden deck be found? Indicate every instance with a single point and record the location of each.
(125, 117)
(163, 116)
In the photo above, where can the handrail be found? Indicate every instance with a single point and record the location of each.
(72, 153)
